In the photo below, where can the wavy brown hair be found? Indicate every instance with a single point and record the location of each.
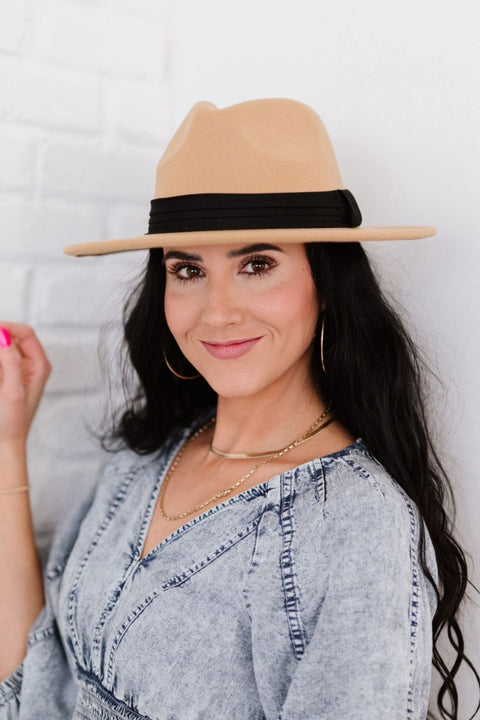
(375, 381)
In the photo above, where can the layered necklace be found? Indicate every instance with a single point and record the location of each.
(310, 433)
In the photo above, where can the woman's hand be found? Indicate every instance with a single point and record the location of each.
(24, 370)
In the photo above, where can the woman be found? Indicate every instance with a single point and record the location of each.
(269, 539)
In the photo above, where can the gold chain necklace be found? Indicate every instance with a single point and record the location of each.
(232, 487)
(242, 456)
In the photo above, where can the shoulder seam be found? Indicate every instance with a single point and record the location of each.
(361, 470)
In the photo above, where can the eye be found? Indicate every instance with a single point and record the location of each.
(185, 272)
(260, 265)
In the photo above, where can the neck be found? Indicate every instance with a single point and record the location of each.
(269, 419)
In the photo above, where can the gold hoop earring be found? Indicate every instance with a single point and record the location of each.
(321, 343)
(182, 377)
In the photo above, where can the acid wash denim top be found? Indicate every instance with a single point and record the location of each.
(300, 598)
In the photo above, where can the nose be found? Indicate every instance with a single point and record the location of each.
(222, 304)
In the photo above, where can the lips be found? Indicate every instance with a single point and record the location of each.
(231, 349)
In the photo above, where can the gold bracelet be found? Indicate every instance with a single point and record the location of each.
(20, 488)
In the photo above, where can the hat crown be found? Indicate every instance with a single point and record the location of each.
(269, 145)
(262, 170)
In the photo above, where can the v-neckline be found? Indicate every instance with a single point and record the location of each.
(154, 495)
(258, 489)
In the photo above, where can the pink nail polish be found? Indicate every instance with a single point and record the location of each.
(5, 339)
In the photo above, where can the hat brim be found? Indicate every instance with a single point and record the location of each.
(279, 235)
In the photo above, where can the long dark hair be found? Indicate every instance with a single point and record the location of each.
(375, 381)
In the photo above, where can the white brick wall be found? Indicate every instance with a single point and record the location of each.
(13, 28)
(38, 94)
(17, 150)
(85, 112)
(102, 39)
(86, 170)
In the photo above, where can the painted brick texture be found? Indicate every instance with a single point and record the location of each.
(85, 112)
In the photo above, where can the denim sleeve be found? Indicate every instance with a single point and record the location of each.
(366, 612)
(368, 628)
(42, 685)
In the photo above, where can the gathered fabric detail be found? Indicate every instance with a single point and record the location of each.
(94, 702)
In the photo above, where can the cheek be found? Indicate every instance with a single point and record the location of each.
(179, 311)
(295, 305)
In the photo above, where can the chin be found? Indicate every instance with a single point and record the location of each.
(233, 384)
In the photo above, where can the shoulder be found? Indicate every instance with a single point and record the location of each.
(353, 484)
(358, 510)
(346, 496)
(346, 482)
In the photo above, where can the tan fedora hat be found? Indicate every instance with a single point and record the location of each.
(255, 171)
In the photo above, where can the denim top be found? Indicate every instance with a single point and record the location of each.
(300, 598)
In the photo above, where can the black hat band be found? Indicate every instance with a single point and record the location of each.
(239, 211)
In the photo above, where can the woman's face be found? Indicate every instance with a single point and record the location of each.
(223, 294)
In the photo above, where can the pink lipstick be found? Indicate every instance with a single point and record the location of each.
(231, 349)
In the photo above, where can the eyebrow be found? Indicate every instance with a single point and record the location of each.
(256, 247)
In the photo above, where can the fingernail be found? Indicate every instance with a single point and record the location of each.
(5, 339)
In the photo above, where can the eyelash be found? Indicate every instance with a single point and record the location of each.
(177, 267)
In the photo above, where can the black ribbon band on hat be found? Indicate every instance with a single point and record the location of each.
(239, 211)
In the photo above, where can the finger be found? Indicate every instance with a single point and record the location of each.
(14, 327)
(5, 337)
(11, 367)
(34, 365)
(30, 347)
